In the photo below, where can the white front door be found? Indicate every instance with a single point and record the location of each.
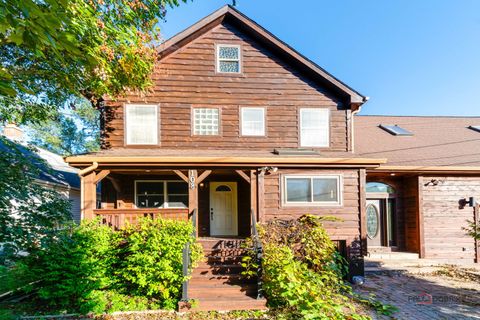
(223, 209)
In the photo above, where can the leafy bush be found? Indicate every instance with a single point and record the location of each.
(149, 259)
(302, 271)
(92, 268)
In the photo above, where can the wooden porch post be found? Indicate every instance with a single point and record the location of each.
(421, 237)
(253, 191)
(476, 219)
(362, 181)
(88, 195)
(261, 196)
(193, 195)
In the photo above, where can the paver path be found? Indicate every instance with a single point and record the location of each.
(425, 296)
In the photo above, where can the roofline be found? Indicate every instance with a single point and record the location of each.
(355, 97)
(428, 169)
(81, 161)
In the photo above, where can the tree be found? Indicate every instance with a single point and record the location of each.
(29, 212)
(53, 50)
(72, 131)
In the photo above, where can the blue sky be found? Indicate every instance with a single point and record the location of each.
(411, 57)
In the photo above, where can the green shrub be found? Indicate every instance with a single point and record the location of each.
(90, 268)
(149, 259)
(302, 271)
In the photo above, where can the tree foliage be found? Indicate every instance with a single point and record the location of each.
(29, 211)
(72, 131)
(52, 50)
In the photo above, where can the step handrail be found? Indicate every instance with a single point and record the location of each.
(258, 249)
(187, 258)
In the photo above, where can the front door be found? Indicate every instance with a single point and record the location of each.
(223, 209)
(374, 222)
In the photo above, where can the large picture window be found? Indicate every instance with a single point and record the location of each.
(314, 127)
(161, 194)
(253, 121)
(141, 123)
(312, 190)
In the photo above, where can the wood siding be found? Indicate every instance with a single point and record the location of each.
(444, 218)
(349, 212)
(187, 79)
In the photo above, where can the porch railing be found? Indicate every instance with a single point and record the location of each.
(118, 218)
(187, 258)
(258, 251)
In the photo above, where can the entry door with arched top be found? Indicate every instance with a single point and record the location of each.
(223, 209)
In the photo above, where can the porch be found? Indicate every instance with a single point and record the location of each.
(221, 198)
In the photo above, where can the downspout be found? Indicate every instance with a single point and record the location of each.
(89, 169)
(354, 112)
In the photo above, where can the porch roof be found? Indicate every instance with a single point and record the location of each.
(186, 157)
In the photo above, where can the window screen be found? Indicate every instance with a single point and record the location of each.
(253, 121)
(314, 127)
(142, 124)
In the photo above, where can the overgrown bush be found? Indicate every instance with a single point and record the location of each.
(90, 268)
(302, 271)
(149, 259)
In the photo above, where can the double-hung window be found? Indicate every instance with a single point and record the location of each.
(312, 190)
(314, 127)
(141, 121)
(252, 121)
(206, 121)
(161, 194)
(228, 58)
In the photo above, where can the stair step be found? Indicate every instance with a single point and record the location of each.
(214, 243)
(223, 259)
(235, 279)
(222, 290)
(247, 303)
(223, 270)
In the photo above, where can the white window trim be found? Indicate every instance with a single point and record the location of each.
(126, 123)
(217, 57)
(192, 115)
(264, 132)
(165, 194)
(328, 129)
(338, 203)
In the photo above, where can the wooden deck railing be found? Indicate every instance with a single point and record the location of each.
(117, 218)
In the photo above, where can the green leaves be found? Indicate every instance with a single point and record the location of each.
(60, 49)
(302, 272)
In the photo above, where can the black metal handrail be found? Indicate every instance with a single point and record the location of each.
(187, 258)
(258, 249)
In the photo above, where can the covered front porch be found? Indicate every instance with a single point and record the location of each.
(220, 201)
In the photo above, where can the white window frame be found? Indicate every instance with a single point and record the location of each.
(217, 57)
(165, 194)
(126, 123)
(302, 144)
(337, 177)
(206, 135)
(264, 117)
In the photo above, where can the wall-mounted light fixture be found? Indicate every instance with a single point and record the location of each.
(268, 170)
(433, 182)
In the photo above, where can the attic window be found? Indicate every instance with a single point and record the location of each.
(476, 128)
(395, 130)
(228, 58)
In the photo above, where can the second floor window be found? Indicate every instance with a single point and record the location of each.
(252, 121)
(228, 58)
(141, 121)
(206, 121)
(314, 127)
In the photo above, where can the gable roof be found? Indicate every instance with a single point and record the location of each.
(235, 17)
(52, 169)
(437, 142)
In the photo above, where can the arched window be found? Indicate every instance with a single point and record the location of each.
(223, 188)
(379, 187)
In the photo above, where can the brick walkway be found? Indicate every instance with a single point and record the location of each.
(425, 296)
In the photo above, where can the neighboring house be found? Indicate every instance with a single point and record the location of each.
(238, 120)
(55, 173)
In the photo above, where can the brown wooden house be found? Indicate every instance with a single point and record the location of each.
(239, 122)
